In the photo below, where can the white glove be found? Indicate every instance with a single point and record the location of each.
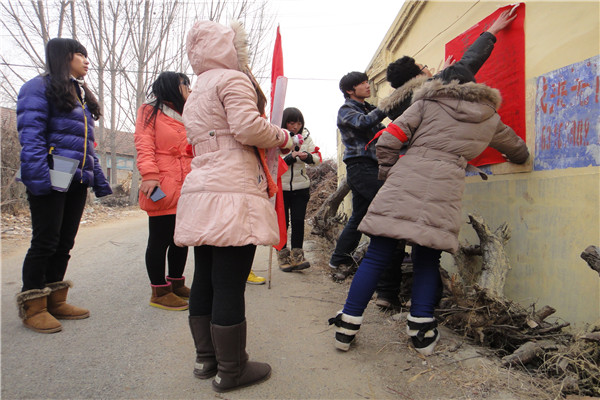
(289, 143)
(298, 140)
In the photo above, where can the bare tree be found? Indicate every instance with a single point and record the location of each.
(130, 43)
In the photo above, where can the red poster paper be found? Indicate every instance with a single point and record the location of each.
(504, 70)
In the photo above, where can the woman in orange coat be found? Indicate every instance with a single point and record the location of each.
(163, 162)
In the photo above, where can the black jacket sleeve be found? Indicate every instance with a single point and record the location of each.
(473, 59)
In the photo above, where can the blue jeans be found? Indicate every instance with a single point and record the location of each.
(427, 283)
(361, 176)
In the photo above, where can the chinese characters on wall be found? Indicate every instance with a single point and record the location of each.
(567, 118)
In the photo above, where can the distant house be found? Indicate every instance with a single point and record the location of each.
(125, 152)
(552, 203)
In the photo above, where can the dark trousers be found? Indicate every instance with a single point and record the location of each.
(295, 202)
(388, 286)
(427, 284)
(362, 179)
(160, 244)
(55, 220)
(220, 283)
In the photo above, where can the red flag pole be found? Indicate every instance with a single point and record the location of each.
(278, 88)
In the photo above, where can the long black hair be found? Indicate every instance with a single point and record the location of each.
(165, 89)
(292, 114)
(61, 90)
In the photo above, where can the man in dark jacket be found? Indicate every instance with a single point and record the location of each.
(358, 122)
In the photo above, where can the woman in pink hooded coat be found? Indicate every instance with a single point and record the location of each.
(224, 208)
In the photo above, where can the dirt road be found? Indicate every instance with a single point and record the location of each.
(129, 350)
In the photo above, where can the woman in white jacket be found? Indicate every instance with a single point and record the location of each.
(296, 189)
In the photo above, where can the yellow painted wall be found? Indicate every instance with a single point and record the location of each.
(554, 215)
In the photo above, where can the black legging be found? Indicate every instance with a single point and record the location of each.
(160, 243)
(295, 202)
(220, 282)
(55, 220)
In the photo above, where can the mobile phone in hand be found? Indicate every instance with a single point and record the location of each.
(157, 194)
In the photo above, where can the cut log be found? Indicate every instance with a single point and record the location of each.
(592, 337)
(591, 255)
(544, 313)
(528, 352)
(524, 354)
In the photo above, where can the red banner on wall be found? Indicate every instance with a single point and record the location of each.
(504, 70)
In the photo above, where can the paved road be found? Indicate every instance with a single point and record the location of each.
(129, 350)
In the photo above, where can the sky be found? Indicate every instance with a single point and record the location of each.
(322, 40)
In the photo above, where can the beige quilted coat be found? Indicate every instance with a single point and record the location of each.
(224, 199)
(446, 125)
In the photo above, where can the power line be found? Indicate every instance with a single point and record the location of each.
(135, 72)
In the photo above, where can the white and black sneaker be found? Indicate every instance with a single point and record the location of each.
(346, 328)
(423, 332)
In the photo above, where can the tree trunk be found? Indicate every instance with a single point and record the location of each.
(494, 263)
(326, 218)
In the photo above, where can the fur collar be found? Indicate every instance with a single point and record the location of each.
(473, 92)
(402, 93)
(240, 42)
(168, 111)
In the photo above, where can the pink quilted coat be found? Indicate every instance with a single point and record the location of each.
(224, 200)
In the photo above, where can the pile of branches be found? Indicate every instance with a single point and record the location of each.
(325, 199)
(323, 182)
(474, 306)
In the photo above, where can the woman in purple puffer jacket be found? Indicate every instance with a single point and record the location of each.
(55, 117)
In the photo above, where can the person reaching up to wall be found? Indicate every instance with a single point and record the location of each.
(451, 121)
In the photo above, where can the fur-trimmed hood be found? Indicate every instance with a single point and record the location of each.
(470, 102)
(211, 45)
(402, 93)
(471, 91)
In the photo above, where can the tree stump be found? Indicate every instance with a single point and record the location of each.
(325, 220)
(494, 266)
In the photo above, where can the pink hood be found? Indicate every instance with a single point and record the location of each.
(212, 46)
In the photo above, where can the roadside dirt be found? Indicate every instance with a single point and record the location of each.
(287, 325)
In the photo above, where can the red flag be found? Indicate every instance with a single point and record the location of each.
(276, 71)
(277, 66)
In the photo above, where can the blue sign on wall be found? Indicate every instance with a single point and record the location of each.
(566, 117)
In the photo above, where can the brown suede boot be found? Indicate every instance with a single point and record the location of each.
(163, 297)
(33, 311)
(206, 363)
(179, 288)
(285, 262)
(57, 302)
(298, 261)
(235, 371)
